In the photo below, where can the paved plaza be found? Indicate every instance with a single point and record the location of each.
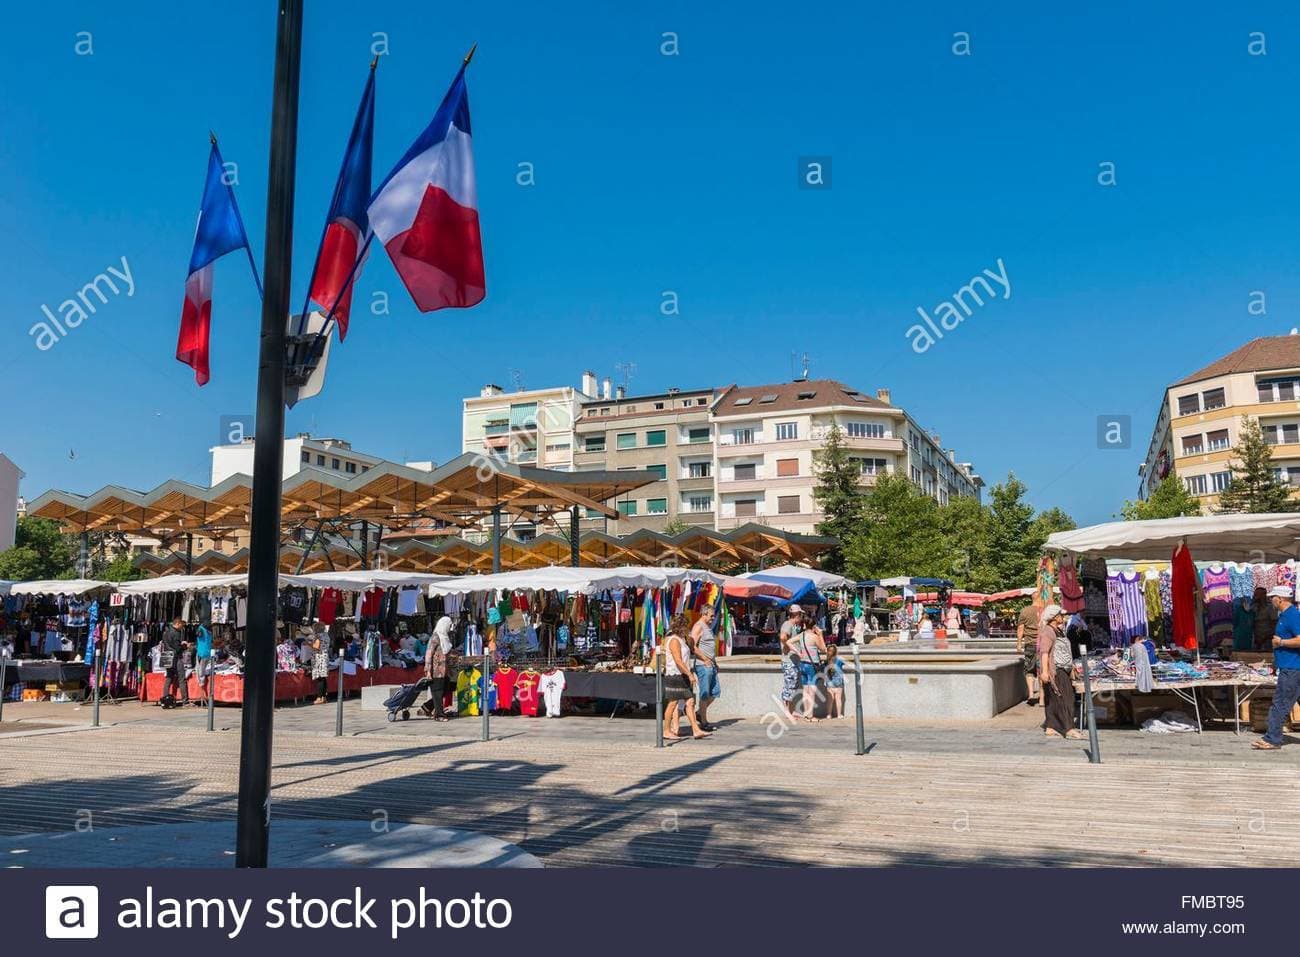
(594, 790)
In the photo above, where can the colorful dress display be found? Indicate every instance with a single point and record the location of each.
(1071, 589)
(1126, 601)
(1183, 587)
(1216, 588)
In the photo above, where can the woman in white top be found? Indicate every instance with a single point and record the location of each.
(677, 661)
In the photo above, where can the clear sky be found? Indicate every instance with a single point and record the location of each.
(676, 173)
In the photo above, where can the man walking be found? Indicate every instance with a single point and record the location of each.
(174, 642)
(1286, 658)
(704, 648)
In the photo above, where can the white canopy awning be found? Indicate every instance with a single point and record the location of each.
(71, 586)
(1255, 538)
(821, 580)
(585, 581)
(361, 580)
(168, 583)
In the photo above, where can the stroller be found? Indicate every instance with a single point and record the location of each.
(404, 698)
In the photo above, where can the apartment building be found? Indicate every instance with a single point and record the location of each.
(10, 476)
(527, 427)
(1201, 416)
(725, 456)
(767, 438)
(668, 433)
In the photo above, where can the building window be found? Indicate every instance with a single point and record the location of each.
(365, 468)
(1286, 391)
(1188, 404)
(1270, 434)
(1192, 445)
(1266, 392)
(786, 431)
(1195, 484)
(306, 457)
(699, 470)
(915, 475)
(742, 436)
(1219, 481)
(594, 513)
(627, 508)
(656, 506)
(557, 446)
(787, 467)
(659, 405)
(865, 430)
(320, 460)
(1217, 440)
(700, 503)
(1290, 434)
(626, 440)
(697, 435)
(874, 466)
(594, 443)
(660, 470)
(657, 437)
(523, 415)
(1213, 399)
(746, 472)
(350, 467)
(787, 504)
(746, 507)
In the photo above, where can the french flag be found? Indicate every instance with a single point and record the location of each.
(426, 211)
(220, 230)
(347, 225)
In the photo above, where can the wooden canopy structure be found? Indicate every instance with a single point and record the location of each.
(754, 546)
(461, 493)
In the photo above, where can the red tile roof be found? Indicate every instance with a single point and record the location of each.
(1258, 355)
(785, 397)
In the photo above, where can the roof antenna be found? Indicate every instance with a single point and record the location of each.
(805, 367)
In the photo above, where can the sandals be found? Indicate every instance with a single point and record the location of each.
(1051, 733)
(1262, 745)
(1074, 734)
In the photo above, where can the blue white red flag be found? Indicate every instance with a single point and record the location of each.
(220, 230)
(426, 211)
(347, 225)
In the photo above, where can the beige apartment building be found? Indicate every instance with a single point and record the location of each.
(767, 438)
(527, 427)
(669, 433)
(1201, 416)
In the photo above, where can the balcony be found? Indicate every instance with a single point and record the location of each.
(689, 484)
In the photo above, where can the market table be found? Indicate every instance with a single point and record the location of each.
(289, 685)
(623, 686)
(1186, 690)
(49, 670)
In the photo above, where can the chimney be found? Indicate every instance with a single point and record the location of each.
(606, 387)
(952, 456)
(589, 384)
(883, 396)
(620, 392)
(937, 441)
(490, 389)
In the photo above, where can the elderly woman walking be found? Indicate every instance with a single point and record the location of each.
(435, 668)
(1056, 673)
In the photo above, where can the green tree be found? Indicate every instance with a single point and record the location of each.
(1169, 500)
(1016, 534)
(964, 526)
(675, 527)
(839, 495)
(899, 534)
(1253, 487)
(40, 551)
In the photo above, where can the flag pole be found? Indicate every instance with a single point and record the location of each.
(253, 823)
(248, 248)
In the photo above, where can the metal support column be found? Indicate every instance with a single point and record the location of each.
(83, 555)
(4, 666)
(338, 711)
(496, 539)
(857, 701)
(659, 700)
(254, 800)
(365, 545)
(1094, 746)
(575, 557)
(189, 553)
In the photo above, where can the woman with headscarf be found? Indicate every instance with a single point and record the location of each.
(1056, 672)
(435, 668)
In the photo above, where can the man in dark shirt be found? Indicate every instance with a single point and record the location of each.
(174, 641)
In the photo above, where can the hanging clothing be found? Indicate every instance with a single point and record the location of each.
(1242, 580)
(1156, 629)
(1184, 589)
(1217, 593)
(1071, 589)
(1128, 609)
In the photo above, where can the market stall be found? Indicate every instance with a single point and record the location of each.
(1174, 622)
(45, 628)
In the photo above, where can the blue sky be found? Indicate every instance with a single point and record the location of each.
(677, 173)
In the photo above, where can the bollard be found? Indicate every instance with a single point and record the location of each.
(659, 700)
(212, 684)
(338, 709)
(99, 681)
(485, 697)
(857, 701)
(1094, 746)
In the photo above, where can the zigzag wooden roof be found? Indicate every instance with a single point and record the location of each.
(461, 492)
